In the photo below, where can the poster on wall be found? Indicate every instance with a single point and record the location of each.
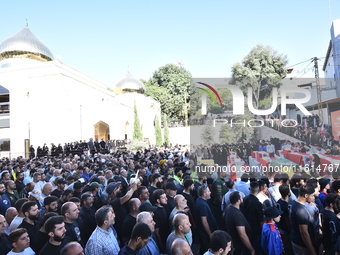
(335, 117)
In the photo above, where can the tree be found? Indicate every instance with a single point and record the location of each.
(171, 86)
(166, 130)
(262, 69)
(137, 130)
(241, 132)
(208, 133)
(158, 132)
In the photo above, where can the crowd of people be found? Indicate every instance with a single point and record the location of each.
(153, 202)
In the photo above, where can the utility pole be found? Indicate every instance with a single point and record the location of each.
(318, 90)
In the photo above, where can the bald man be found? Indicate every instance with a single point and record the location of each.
(180, 247)
(182, 227)
(72, 248)
(10, 215)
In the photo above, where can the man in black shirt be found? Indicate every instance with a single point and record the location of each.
(253, 211)
(30, 222)
(327, 215)
(284, 223)
(130, 219)
(71, 213)
(156, 183)
(86, 216)
(19, 182)
(161, 217)
(55, 228)
(60, 189)
(302, 234)
(237, 225)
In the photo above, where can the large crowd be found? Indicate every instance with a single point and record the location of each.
(102, 200)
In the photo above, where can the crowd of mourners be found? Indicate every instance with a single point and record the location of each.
(154, 202)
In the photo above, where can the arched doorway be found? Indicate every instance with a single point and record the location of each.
(101, 130)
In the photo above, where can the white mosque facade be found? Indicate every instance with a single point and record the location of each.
(43, 100)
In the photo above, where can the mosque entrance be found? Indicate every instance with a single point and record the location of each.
(101, 130)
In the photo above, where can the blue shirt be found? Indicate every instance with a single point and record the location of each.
(151, 248)
(243, 187)
(5, 203)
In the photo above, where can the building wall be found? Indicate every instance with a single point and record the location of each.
(335, 37)
(53, 103)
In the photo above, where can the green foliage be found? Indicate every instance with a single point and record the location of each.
(166, 129)
(226, 97)
(208, 133)
(137, 130)
(239, 132)
(136, 145)
(173, 88)
(158, 132)
(262, 69)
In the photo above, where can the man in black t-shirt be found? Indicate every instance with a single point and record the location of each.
(71, 213)
(55, 228)
(237, 225)
(161, 218)
(30, 222)
(327, 215)
(253, 211)
(302, 234)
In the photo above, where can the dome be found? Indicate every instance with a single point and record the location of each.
(25, 44)
(129, 84)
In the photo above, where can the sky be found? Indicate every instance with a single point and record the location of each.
(106, 39)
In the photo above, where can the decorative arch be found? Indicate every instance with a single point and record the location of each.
(101, 130)
(126, 129)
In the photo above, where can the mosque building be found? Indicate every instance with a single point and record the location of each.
(43, 100)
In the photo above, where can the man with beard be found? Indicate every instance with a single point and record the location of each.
(119, 204)
(205, 219)
(50, 205)
(86, 216)
(237, 225)
(161, 217)
(139, 238)
(31, 211)
(19, 182)
(71, 213)
(5, 202)
(55, 228)
(11, 192)
(156, 183)
(143, 194)
(103, 240)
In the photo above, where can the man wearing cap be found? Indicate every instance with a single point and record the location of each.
(271, 241)
(156, 183)
(324, 187)
(60, 188)
(171, 191)
(97, 202)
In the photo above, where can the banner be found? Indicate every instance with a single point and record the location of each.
(335, 117)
